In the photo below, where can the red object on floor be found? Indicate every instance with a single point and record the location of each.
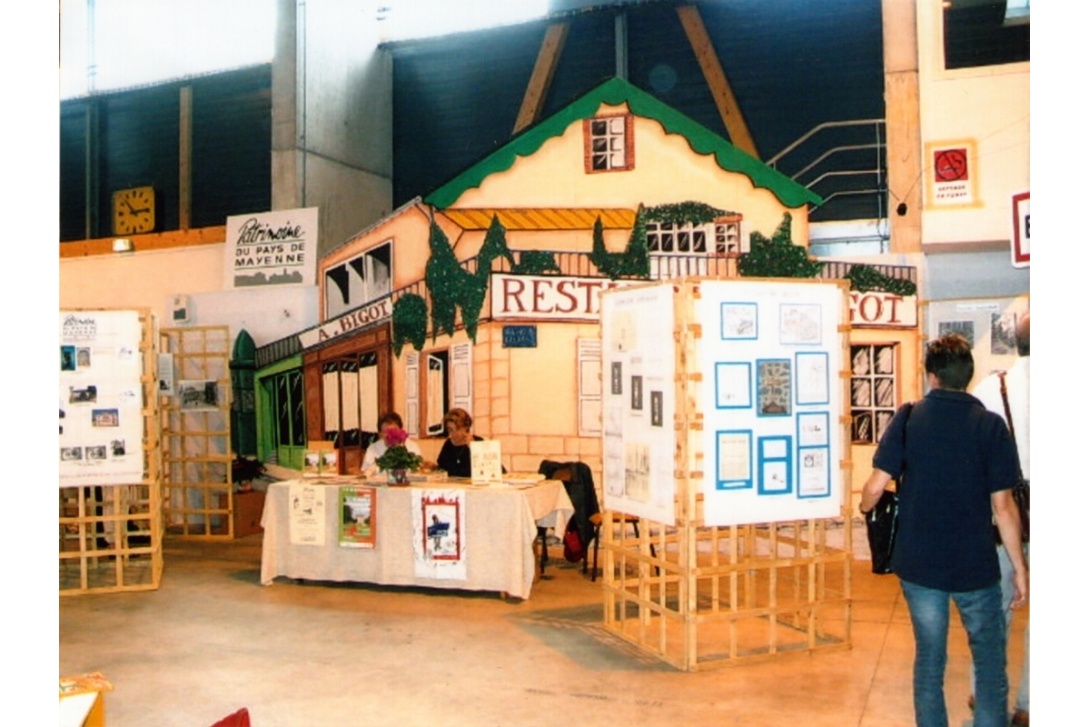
(241, 718)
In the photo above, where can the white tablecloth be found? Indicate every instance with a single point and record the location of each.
(500, 523)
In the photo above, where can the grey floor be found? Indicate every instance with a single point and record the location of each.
(211, 639)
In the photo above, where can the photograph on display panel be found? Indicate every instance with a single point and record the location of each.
(734, 468)
(733, 385)
(800, 323)
(738, 321)
(774, 387)
(774, 466)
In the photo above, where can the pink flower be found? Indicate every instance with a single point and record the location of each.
(394, 437)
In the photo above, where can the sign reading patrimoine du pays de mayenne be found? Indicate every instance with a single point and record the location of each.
(272, 248)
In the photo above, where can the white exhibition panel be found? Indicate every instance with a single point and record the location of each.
(768, 390)
(770, 359)
(101, 398)
(638, 401)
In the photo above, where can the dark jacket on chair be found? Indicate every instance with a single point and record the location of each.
(581, 491)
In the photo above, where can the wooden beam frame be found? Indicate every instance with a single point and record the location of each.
(725, 101)
(542, 75)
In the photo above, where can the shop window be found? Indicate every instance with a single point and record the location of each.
(608, 144)
(358, 280)
(985, 33)
(444, 383)
(350, 398)
(288, 403)
(873, 391)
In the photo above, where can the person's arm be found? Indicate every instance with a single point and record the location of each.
(369, 467)
(872, 489)
(445, 460)
(1010, 531)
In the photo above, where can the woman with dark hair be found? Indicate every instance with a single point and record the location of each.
(389, 420)
(454, 456)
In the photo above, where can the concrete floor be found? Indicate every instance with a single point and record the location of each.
(211, 639)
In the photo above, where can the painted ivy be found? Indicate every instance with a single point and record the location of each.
(410, 322)
(683, 213)
(444, 278)
(536, 262)
(865, 278)
(777, 257)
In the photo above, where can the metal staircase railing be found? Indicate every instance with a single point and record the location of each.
(845, 163)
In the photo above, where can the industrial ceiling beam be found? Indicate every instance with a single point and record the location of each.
(728, 107)
(542, 75)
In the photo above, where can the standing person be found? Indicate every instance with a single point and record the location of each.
(454, 456)
(958, 465)
(990, 393)
(389, 420)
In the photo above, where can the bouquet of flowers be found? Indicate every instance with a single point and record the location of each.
(397, 456)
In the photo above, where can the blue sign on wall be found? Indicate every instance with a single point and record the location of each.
(520, 336)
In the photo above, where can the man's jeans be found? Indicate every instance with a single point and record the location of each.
(982, 615)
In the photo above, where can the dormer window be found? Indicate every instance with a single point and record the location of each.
(608, 144)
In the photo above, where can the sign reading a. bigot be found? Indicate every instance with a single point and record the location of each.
(272, 248)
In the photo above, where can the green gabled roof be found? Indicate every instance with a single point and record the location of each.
(613, 93)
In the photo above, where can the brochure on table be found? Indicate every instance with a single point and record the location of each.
(486, 467)
(765, 379)
(101, 398)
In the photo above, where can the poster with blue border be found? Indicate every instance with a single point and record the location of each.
(733, 459)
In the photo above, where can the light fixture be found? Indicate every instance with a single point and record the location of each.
(123, 244)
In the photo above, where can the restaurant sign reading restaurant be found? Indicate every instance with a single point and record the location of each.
(546, 298)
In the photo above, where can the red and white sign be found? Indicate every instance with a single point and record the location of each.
(547, 297)
(882, 310)
(1020, 238)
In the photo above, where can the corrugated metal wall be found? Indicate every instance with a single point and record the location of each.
(133, 140)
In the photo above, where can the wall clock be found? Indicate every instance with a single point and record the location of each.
(134, 210)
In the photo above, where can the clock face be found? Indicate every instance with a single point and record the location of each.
(134, 210)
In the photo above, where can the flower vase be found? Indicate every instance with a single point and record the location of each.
(397, 477)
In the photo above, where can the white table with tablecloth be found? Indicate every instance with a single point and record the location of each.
(501, 523)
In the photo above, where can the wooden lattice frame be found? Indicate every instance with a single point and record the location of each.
(198, 493)
(110, 536)
(700, 596)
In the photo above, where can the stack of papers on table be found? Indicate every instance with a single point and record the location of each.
(522, 479)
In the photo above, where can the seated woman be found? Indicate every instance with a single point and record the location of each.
(389, 420)
(454, 456)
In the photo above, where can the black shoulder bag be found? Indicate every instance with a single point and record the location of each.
(1021, 488)
(882, 518)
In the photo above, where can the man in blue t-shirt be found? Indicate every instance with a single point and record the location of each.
(957, 466)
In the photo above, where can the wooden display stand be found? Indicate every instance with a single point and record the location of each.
(699, 596)
(198, 495)
(110, 535)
